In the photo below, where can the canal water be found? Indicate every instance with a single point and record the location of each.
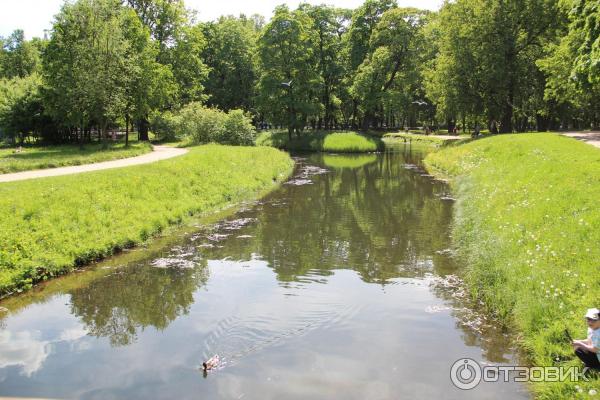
(339, 285)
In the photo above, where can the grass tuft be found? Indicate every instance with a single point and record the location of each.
(527, 225)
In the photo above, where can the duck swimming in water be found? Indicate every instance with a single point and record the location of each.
(212, 363)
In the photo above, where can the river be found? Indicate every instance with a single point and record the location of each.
(338, 285)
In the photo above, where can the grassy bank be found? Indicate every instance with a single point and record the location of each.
(437, 141)
(527, 225)
(331, 142)
(51, 225)
(40, 157)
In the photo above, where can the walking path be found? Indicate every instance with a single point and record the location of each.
(592, 138)
(158, 153)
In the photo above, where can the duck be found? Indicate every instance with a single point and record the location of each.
(212, 363)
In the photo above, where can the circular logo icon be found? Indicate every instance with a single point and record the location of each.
(465, 374)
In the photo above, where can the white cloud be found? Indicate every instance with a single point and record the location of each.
(24, 350)
(35, 16)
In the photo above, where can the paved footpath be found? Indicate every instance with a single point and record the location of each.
(158, 153)
(592, 138)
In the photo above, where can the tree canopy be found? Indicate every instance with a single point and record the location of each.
(510, 65)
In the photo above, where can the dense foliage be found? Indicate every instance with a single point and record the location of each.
(51, 225)
(508, 65)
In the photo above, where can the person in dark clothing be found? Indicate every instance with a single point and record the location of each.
(588, 350)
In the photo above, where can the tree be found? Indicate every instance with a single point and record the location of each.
(19, 57)
(490, 62)
(152, 85)
(396, 43)
(358, 44)
(289, 82)
(21, 109)
(86, 66)
(164, 18)
(329, 26)
(571, 67)
(229, 54)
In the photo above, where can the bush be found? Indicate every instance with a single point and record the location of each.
(166, 125)
(205, 125)
(238, 129)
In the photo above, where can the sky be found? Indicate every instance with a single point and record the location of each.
(35, 16)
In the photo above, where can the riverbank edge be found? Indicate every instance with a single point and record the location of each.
(334, 142)
(539, 338)
(436, 141)
(171, 225)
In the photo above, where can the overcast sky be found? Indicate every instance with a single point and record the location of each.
(33, 16)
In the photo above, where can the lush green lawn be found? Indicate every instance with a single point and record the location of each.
(40, 157)
(527, 225)
(51, 225)
(332, 142)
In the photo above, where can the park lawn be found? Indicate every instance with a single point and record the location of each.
(330, 142)
(52, 225)
(40, 157)
(527, 226)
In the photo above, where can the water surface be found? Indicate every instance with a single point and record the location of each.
(325, 289)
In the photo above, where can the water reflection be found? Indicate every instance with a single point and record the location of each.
(131, 299)
(320, 290)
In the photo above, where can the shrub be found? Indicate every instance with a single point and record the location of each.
(238, 129)
(201, 125)
(166, 125)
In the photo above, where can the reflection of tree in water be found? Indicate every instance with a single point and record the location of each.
(380, 220)
(136, 297)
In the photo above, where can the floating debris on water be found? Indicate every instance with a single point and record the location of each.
(172, 263)
(448, 198)
(217, 237)
(411, 167)
(310, 170)
(446, 252)
(245, 236)
(3, 309)
(299, 182)
(437, 309)
(235, 224)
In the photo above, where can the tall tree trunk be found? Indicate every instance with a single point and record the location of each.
(143, 129)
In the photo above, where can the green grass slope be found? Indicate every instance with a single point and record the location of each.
(527, 225)
(51, 225)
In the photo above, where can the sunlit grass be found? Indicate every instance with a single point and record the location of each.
(334, 142)
(527, 225)
(51, 225)
(40, 157)
(434, 140)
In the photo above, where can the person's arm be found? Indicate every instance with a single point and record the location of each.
(584, 344)
(588, 347)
